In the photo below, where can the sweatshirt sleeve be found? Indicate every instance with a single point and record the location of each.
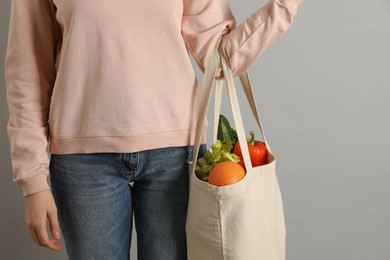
(30, 74)
(204, 21)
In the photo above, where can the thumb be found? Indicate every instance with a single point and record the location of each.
(53, 221)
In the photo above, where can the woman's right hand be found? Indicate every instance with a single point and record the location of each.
(38, 207)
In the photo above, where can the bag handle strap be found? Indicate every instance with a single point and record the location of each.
(217, 107)
(247, 85)
(204, 100)
(236, 113)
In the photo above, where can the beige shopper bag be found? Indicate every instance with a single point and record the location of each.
(244, 220)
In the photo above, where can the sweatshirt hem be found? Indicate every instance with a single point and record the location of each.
(123, 144)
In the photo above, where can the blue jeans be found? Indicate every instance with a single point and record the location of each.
(96, 194)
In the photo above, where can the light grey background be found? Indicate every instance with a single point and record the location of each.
(323, 93)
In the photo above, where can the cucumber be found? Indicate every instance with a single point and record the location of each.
(225, 131)
(234, 135)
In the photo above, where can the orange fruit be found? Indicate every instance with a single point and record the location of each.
(226, 173)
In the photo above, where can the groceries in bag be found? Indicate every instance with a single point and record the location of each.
(226, 154)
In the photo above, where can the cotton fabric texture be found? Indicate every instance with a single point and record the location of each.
(244, 220)
(116, 76)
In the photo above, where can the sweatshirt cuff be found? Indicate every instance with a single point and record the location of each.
(292, 4)
(34, 184)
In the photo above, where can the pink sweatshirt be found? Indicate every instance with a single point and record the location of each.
(115, 76)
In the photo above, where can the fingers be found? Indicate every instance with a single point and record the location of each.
(39, 235)
(34, 236)
(44, 239)
(54, 225)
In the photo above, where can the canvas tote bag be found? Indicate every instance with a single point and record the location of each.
(244, 220)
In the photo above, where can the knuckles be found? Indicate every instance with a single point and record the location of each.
(39, 223)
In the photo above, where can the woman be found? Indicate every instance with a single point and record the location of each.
(111, 89)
